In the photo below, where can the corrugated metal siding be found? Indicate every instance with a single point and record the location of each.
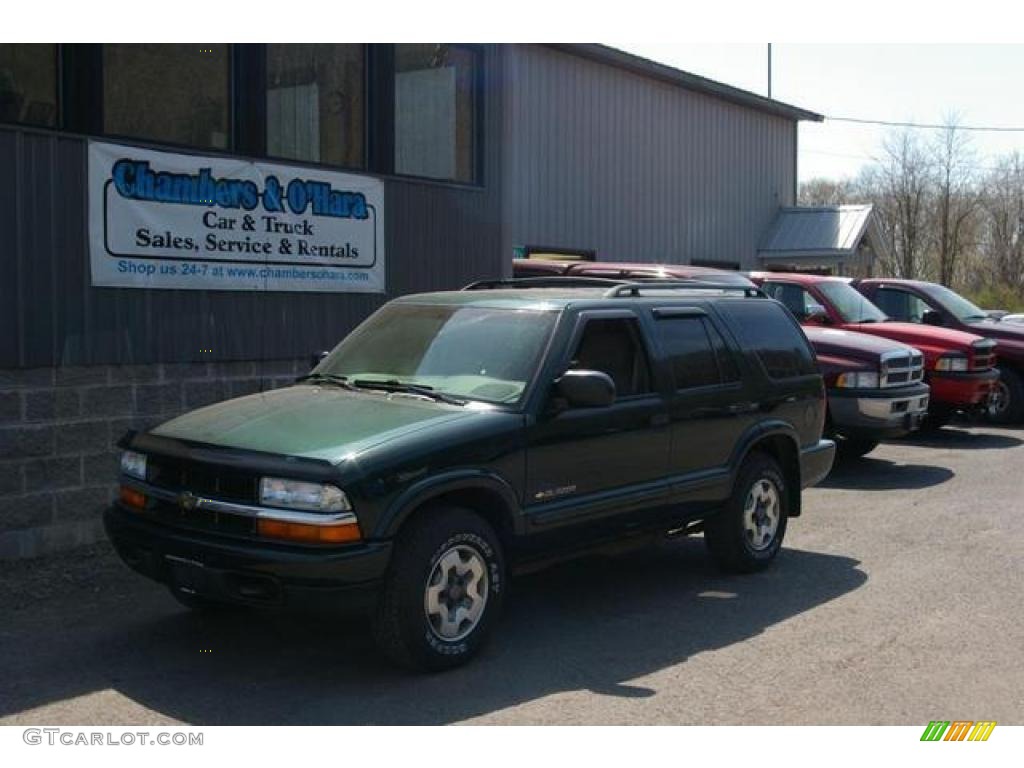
(438, 236)
(635, 168)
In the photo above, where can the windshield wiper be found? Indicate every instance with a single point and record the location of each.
(394, 385)
(327, 378)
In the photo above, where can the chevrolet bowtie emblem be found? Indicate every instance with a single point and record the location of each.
(188, 501)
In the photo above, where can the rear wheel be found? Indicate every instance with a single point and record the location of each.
(443, 592)
(854, 448)
(747, 534)
(1006, 405)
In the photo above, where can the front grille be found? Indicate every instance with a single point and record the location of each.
(202, 479)
(215, 482)
(902, 368)
(983, 355)
(203, 519)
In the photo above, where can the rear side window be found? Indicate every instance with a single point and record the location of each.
(766, 328)
(696, 351)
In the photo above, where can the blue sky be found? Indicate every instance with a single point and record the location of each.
(916, 83)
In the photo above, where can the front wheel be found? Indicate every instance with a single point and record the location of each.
(747, 534)
(443, 592)
(1006, 405)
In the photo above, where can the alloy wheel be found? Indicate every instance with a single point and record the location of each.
(456, 593)
(761, 514)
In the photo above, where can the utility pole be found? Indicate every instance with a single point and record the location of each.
(769, 70)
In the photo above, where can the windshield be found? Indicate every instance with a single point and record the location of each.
(471, 353)
(955, 304)
(852, 306)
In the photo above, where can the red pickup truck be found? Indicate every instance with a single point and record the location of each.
(959, 366)
(915, 301)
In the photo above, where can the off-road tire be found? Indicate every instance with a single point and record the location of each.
(401, 627)
(1013, 389)
(725, 533)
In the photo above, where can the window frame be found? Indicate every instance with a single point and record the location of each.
(676, 313)
(367, 122)
(80, 110)
(58, 105)
(584, 317)
(479, 54)
(232, 106)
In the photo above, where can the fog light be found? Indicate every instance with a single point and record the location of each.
(132, 498)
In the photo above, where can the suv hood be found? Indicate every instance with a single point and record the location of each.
(311, 421)
(918, 335)
(858, 346)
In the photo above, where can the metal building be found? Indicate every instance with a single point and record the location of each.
(128, 173)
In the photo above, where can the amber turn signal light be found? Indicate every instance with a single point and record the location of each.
(306, 533)
(132, 498)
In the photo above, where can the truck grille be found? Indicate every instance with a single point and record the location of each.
(202, 479)
(983, 355)
(902, 368)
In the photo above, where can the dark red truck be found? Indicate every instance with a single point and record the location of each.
(959, 366)
(875, 386)
(915, 301)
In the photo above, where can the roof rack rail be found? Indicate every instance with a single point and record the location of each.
(543, 282)
(633, 288)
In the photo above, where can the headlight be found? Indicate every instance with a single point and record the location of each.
(298, 494)
(858, 380)
(134, 464)
(951, 363)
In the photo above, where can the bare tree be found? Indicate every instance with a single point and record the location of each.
(955, 200)
(1002, 243)
(821, 191)
(899, 184)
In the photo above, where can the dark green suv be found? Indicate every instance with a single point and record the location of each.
(456, 437)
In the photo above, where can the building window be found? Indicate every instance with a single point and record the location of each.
(28, 84)
(316, 103)
(176, 93)
(435, 111)
(716, 264)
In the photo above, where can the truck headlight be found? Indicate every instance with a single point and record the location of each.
(133, 464)
(858, 380)
(951, 363)
(300, 494)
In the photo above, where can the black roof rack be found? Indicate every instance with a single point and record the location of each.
(554, 281)
(617, 287)
(633, 287)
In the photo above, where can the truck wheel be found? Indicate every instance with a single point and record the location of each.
(854, 448)
(443, 592)
(747, 534)
(1007, 403)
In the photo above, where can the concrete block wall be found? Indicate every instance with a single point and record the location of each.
(59, 428)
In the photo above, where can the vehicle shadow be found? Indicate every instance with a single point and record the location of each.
(871, 474)
(593, 624)
(950, 437)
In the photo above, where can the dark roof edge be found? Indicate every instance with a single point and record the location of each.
(614, 57)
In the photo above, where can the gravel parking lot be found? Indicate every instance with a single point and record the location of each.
(897, 600)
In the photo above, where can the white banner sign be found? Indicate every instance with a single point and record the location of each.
(166, 220)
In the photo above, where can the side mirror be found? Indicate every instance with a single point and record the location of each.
(316, 357)
(932, 317)
(586, 389)
(817, 315)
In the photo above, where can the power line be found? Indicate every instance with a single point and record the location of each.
(933, 126)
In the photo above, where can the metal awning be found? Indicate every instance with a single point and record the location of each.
(821, 236)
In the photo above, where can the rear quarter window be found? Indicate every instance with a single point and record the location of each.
(765, 328)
